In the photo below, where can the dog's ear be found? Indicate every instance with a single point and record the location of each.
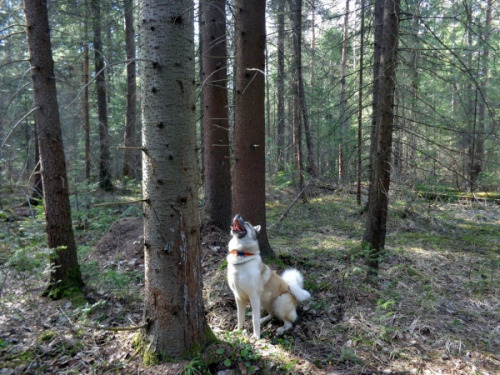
(257, 228)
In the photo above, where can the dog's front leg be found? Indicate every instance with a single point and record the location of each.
(255, 304)
(240, 307)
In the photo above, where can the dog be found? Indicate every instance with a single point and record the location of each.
(253, 282)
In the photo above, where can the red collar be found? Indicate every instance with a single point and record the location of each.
(240, 253)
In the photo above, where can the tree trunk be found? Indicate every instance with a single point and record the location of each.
(173, 304)
(375, 230)
(296, 19)
(377, 48)
(37, 174)
(104, 154)
(343, 118)
(249, 180)
(65, 277)
(281, 85)
(411, 148)
(478, 158)
(215, 114)
(360, 103)
(129, 138)
(297, 144)
(313, 40)
(86, 107)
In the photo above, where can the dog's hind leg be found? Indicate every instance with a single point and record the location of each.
(255, 304)
(284, 309)
(240, 306)
(266, 319)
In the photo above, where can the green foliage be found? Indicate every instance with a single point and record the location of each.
(233, 352)
(47, 335)
(285, 341)
(348, 355)
(195, 367)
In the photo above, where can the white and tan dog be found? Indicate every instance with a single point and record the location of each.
(253, 281)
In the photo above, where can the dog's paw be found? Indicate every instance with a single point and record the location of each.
(285, 327)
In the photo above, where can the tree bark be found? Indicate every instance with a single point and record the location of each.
(281, 85)
(215, 114)
(360, 103)
(477, 162)
(65, 274)
(173, 304)
(86, 109)
(296, 19)
(249, 181)
(377, 48)
(378, 199)
(129, 137)
(37, 173)
(342, 105)
(104, 153)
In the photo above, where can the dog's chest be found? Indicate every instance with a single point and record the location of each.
(244, 276)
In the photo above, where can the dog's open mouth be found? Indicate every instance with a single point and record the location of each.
(238, 226)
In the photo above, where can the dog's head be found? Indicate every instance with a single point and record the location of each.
(242, 228)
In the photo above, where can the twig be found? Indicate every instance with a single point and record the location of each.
(117, 203)
(128, 148)
(291, 205)
(116, 329)
(67, 317)
(106, 328)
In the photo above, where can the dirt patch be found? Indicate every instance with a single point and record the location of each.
(123, 242)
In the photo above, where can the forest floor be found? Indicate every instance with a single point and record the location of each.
(435, 308)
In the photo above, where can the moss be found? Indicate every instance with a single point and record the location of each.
(196, 349)
(138, 341)
(70, 287)
(47, 336)
(58, 291)
(151, 358)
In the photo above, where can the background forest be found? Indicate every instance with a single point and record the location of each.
(435, 307)
(446, 90)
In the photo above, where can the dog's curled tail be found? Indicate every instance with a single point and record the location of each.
(295, 281)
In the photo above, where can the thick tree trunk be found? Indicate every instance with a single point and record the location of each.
(102, 109)
(65, 274)
(378, 199)
(217, 161)
(173, 304)
(129, 137)
(249, 181)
